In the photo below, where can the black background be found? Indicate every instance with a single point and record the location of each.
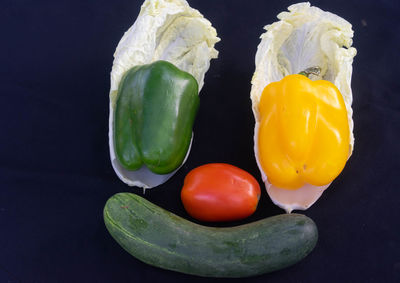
(55, 173)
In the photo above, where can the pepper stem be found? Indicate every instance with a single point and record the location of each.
(311, 70)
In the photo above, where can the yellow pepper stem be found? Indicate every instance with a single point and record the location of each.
(311, 71)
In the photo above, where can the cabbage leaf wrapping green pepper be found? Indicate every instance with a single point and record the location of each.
(168, 30)
(155, 110)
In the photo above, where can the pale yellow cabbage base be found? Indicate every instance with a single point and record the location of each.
(304, 37)
(167, 30)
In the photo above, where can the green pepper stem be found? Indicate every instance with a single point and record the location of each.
(311, 70)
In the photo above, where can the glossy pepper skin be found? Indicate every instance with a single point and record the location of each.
(304, 134)
(220, 192)
(154, 114)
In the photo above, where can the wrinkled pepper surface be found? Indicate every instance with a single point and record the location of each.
(304, 133)
(154, 115)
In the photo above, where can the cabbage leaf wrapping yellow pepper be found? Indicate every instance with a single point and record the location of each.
(304, 133)
(303, 37)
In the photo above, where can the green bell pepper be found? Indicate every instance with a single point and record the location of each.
(154, 115)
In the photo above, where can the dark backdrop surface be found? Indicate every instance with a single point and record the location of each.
(55, 173)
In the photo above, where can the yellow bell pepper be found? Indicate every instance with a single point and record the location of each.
(304, 134)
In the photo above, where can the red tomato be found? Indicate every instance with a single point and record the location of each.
(220, 192)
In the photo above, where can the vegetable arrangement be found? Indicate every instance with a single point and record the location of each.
(301, 100)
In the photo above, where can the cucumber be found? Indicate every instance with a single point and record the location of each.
(163, 239)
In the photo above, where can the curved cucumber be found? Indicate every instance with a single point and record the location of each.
(163, 239)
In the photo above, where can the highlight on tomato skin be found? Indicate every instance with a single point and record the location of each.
(220, 192)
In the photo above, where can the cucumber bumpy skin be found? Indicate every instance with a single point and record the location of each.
(163, 239)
